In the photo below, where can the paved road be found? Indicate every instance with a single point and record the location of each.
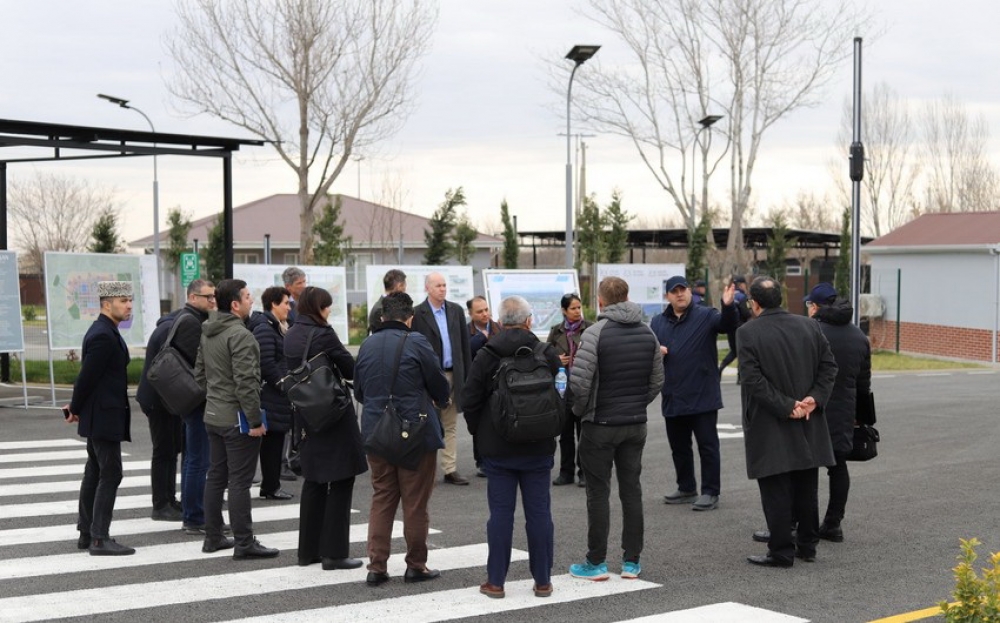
(935, 481)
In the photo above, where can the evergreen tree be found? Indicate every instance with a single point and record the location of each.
(616, 236)
(442, 223)
(104, 234)
(179, 227)
(698, 248)
(215, 252)
(510, 246)
(842, 278)
(778, 244)
(462, 240)
(332, 247)
(589, 235)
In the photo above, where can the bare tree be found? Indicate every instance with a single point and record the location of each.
(754, 61)
(961, 177)
(318, 79)
(55, 213)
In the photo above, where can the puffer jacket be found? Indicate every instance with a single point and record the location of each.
(853, 354)
(613, 389)
(228, 367)
(273, 367)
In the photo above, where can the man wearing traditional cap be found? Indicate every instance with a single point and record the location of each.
(100, 405)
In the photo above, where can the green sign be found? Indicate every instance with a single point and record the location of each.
(190, 268)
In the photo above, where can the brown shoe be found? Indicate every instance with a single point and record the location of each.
(545, 590)
(455, 478)
(491, 590)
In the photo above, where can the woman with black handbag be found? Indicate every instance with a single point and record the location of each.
(269, 328)
(331, 458)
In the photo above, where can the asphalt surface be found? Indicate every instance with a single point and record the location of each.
(935, 481)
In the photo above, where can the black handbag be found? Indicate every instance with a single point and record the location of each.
(396, 438)
(318, 394)
(172, 378)
(866, 440)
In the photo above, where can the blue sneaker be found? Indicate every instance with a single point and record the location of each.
(631, 570)
(588, 571)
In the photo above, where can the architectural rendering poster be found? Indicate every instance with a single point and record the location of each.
(259, 277)
(645, 283)
(11, 329)
(543, 289)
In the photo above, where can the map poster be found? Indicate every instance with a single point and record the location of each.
(333, 279)
(459, 280)
(71, 300)
(543, 289)
(11, 329)
(645, 283)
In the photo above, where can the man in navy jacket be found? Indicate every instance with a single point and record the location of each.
(691, 394)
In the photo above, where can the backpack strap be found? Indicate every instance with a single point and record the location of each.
(173, 329)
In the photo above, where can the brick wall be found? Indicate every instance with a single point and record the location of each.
(928, 339)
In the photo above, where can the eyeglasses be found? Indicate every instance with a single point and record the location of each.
(207, 297)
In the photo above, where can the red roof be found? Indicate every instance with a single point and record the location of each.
(940, 229)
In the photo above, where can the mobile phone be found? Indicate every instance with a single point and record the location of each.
(65, 413)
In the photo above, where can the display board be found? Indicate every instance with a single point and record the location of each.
(71, 300)
(543, 290)
(645, 283)
(459, 279)
(11, 329)
(333, 279)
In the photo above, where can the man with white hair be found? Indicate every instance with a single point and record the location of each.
(443, 324)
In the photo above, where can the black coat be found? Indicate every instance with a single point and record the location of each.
(186, 341)
(784, 358)
(273, 367)
(458, 334)
(479, 387)
(334, 454)
(853, 354)
(100, 393)
(478, 339)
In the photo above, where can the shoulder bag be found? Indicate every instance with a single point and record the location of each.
(172, 377)
(318, 394)
(396, 438)
(866, 436)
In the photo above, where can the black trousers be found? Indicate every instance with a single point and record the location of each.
(325, 519)
(787, 496)
(840, 486)
(569, 461)
(232, 465)
(272, 446)
(101, 477)
(166, 431)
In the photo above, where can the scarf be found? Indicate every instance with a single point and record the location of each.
(572, 328)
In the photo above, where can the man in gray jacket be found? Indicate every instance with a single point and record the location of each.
(228, 367)
(612, 391)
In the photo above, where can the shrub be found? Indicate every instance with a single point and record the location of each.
(29, 312)
(977, 599)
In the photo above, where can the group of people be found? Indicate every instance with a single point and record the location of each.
(799, 380)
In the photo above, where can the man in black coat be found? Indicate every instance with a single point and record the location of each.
(100, 405)
(393, 281)
(172, 433)
(443, 324)
(787, 373)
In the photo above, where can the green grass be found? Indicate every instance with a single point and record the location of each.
(887, 361)
(65, 372)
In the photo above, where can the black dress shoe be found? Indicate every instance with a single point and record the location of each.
(769, 561)
(329, 564)
(830, 533)
(762, 536)
(280, 494)
(305, 562)
(83, 542)
(254, 550)
(109, 547)
(215, 545)
(167, 513)
(421, 575)
(806, 557)
(287, 475)
(455, 478)
(583, 481)
(375, 578)
(563, 479)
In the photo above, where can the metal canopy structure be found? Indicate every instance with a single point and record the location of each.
(48, 142)
(753, 238)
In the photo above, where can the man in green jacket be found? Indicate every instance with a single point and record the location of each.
(228, 367)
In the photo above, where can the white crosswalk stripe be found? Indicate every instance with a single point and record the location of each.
(37, 471)
(55, 455)
(67, 486)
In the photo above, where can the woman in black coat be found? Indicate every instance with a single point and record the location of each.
(331, 459)
(565, 337)
(269, 328)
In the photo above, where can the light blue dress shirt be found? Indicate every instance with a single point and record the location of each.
(442, 322)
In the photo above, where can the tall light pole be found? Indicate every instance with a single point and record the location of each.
(358, 159)
(580, 54)
(156, 189)
(705, 124)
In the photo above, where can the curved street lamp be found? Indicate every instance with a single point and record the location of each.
(705, 124)
(580, 54)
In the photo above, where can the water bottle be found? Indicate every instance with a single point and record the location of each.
(561, 380)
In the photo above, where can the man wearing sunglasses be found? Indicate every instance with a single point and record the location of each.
(173, 433)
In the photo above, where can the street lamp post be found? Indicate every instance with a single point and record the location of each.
(705, 124)
(156, 188)
(580, 54)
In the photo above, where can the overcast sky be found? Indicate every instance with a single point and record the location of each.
(485, 118)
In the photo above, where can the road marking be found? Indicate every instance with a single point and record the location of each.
(67, 486)
(28, 457)
(35, 566)
(62, 470)
(459, 603)
(983, 372)
(926, 374)
(728, 611)
(916, 615)
(140, 596)
(41, 443)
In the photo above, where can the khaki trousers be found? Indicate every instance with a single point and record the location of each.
(391, 485)
(448, 459)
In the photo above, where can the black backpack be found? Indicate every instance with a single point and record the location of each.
(525, 404)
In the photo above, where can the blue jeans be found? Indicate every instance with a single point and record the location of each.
(503, 477)
(194, 468)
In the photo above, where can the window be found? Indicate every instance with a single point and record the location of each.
(246, 258)
(290, 258)
(356, 267)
